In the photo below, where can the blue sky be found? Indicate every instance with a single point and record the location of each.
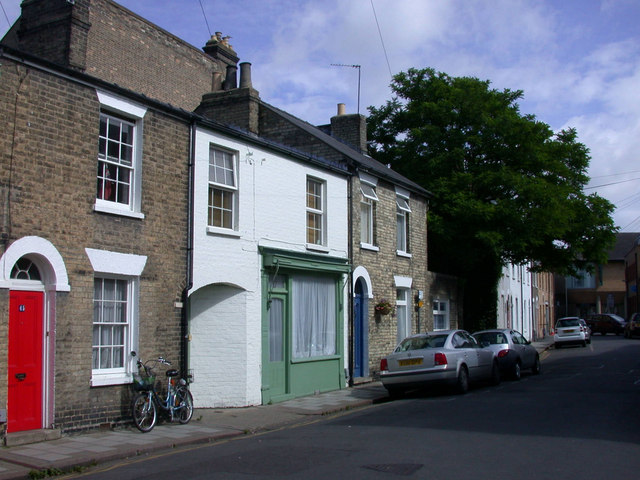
(577, 61)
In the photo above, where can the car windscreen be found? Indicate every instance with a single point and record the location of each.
(492, 338)
(417, 343)
(568, 322)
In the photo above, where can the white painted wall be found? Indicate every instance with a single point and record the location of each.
(225, 347)
(515, 308)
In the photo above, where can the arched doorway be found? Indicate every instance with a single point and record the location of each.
(360, 330)
(25, 363)
(33, 271)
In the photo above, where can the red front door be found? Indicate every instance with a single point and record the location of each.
(24, 409)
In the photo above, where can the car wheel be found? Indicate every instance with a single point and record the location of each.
(495, 374)
(516, 373)
(584, 343)
(462, 384)
(537, 367)
(395, 392)
(557, 346)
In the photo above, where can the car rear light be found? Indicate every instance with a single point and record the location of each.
(440, 359)
(503, 353)
(384, 366)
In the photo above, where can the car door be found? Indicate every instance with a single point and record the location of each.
(469, 349)
(524, 349)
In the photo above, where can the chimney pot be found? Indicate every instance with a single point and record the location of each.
(341, 109)
(231, 80)
(245, 75)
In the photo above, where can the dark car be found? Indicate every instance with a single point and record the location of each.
(632, 328)
(514, 352)
(604, 323)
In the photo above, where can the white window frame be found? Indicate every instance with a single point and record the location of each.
(131, 294)
(441, 309)
(124, 110)
(119, 266)
(402, 223)
(320, 213)
(225, 188)
(368, 203)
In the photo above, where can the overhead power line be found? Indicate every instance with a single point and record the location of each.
(612, 183)
(205, 17)
(5, 13)
(381, 39)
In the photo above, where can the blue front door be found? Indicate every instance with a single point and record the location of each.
(359, 332)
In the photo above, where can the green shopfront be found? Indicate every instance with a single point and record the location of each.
(302, 324)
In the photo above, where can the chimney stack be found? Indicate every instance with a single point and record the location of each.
(350, 129)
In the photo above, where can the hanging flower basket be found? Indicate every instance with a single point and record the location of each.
(383, 307)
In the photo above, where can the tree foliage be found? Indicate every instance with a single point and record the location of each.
(506, 187)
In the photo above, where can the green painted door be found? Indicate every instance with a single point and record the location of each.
(277, 378)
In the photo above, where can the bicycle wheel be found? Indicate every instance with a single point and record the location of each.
(143, 409)
(184, 405)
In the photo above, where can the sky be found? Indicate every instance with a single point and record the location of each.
(577, 61)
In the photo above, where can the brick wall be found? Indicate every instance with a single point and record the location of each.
(127, 50)
(52, 162)
(112, 43)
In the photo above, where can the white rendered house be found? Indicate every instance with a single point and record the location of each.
(269, 239)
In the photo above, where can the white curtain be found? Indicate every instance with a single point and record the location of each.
(314, 316)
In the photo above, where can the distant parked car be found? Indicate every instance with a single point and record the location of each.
(633, 326)
(569, 331)
(514, 352)
(604, 323)
(587, 331)
(451, 357)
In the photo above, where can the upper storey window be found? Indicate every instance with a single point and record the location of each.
(223, 189)
(315, 212)
(119, 175)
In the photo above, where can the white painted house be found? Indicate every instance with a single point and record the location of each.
(270, 261)
(515, 304)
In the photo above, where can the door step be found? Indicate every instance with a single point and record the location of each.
(31, 436)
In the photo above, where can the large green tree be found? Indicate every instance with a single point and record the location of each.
(506, 187)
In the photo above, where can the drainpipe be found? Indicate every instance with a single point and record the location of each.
(184, 319)
(350, 277)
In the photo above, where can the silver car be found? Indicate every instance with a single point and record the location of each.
(514, 352)
(451, 357)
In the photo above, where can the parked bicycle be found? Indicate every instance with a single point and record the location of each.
(178, 402)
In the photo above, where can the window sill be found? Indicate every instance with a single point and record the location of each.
(107, 208)
(103, 380)
(317, 248)
(368, 246)
(225, 232)
(400, 253)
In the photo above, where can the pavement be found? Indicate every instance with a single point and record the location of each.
(74, 452)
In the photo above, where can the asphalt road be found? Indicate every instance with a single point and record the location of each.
(580, 419)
